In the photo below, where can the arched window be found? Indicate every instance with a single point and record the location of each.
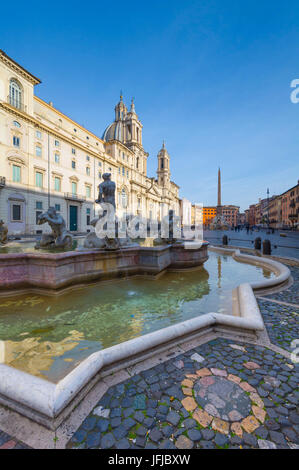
(15, 94)
(124, 198)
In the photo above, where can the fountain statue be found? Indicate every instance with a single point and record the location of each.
(169, 226)
(59, 238)
(3, 233)
(106, 196)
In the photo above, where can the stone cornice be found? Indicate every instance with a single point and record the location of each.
(43, 127)
(9, 62)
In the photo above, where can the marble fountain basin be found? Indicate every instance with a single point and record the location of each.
(54, 348)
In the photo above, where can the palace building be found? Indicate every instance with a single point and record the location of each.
(47, 159)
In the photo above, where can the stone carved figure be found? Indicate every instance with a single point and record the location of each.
(106, 195)
(3, 233)
(107, 190)
(59, 238)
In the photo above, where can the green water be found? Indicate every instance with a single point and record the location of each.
(49, 336)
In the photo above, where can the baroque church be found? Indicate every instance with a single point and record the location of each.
(49, 159)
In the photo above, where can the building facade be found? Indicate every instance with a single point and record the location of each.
(208, 214)
(282, 210)
(47, 159)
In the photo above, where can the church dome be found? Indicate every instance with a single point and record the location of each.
(114, 131)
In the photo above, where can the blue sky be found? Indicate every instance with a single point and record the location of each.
(211, 77)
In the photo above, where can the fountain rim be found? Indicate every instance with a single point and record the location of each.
(46, 402)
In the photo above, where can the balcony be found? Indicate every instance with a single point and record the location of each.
(16, 103)
(2, 181)
(74, 197)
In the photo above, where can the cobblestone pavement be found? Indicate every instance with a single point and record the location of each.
(290, 295)
(282, 323)
(221, 394)
(7, 442)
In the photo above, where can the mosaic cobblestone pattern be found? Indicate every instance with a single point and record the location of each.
(158, 408)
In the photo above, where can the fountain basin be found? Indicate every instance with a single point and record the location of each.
(50, 403)
(53, 272)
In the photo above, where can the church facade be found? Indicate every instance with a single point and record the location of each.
(48, 159)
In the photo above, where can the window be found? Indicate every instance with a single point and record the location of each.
(38, 151)
(75, 130)
(37, 214)
(74, 187)
(123, 156)
(16, 174)
(88, 216)
(16, 124)
(137, 162)
(100, 163)
(57, 207)
(127, 173)
(38, 134)
(88, 170)
(87, 158)
(162, 163)
(100, 174)
(38, 205)
(57, 158)
(123, 171)
(124, 198)
(87, 137)
(119, 170)
(88, 191)
(16, 212)
(16, 141)
(57, 143)
(15, 94)
(73, 151)
(57, 183)
(73, 164)
(39, 179)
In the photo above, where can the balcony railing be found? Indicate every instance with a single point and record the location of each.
(2, 181)
(16, 103)
(75, 197)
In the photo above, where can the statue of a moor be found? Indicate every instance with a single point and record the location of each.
(59, 237)
(3, 232)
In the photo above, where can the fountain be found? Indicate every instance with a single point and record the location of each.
(3, 233)
(59, 237)
(106, 199)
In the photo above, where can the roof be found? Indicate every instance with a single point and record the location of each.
(35, 80)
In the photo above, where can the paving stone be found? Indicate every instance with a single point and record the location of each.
(93, 439)
(155, 435)
(122, 444)
(141, 431)
(173, 417)
(277, 437)
(249, 439)
(221, 440)
(189, 423)
(79, 436)
(107, 441)
(119, 432)
(263, 444)
(184, 443)
(194, 434)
